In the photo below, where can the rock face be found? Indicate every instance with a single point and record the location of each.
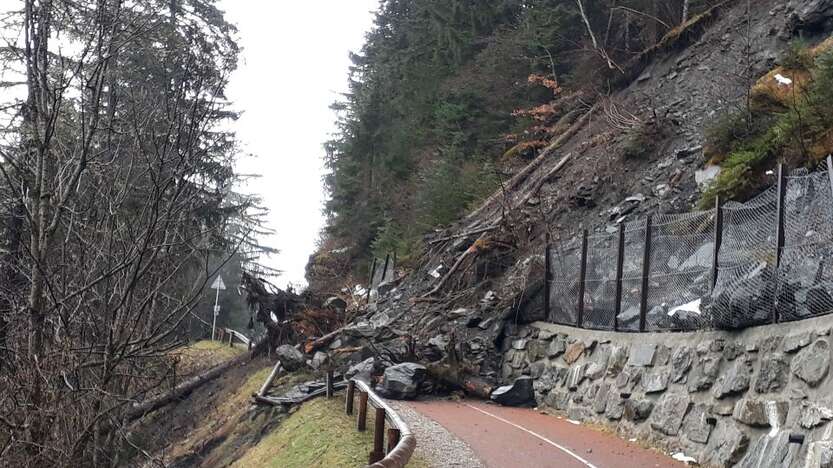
(291, 359)
(520, 393)
(402, 381)
(773, 374)
(812, 363)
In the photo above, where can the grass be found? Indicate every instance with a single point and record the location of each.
(319, 434)
(202, 355)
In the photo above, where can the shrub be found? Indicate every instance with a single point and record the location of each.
(798, 56)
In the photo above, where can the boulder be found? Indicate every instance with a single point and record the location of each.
(336, 303)
(761, 413)
(520, 393)
(291, 358)
(697, 426)
(402, 381)
(319, 359)
(667, 417)
(812, 363)
(726, 446)
(362, 370)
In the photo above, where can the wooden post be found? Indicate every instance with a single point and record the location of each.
(779, 234)
(620, 266)
(361, 422)
(329, 382)
(370, 282)
(582, 277)
(393, 438)
(348, 402)
(231, 340)
(718, 240)
(378, 452)
(646, 271)
(547, 277)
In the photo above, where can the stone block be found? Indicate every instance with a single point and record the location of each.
(638, 409)
(696, 426)
(667, 417)
(773, 374)
(573, 352)
(681, 360)
(761, 413)
(812, 363)
(795, 342)
(735, 380)
(556, 347)
(642, 355)
(727, 445)
(656, 380)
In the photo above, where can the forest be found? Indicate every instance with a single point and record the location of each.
(117, 208)
(447, 98)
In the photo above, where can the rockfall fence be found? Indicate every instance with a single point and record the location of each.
(768, 260)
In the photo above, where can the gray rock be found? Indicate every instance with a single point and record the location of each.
(704, 374)
(819, 455)
(520, 393)
(402, 381)
(556, 347)
(667, 417)
(681, 361)
(701, 258)
(812, 363)
(615, 408)
(557, 400)
(362, 370)
(335, 302)
(696, 426)
(458, 313)
(574, 352)
(773, 374)
(485, 324)
(537, 349)
(734, 381)
(726, 446)
(536, 369)
(602, 396)
(770, 450)
(793, 343)
(319, 359)
(761, 413)
(617, 360)
(594, 370)
(812, 415)
(810, 14)
(291, 359)
(642, 354)
(440, 342)
(519, 344)
(576, 376)
(656, 380)
(638, 409)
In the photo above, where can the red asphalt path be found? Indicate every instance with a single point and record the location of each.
(504, 437)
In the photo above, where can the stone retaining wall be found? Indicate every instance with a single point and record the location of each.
(762, 397)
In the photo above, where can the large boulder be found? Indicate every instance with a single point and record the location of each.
(520, 393)
(291, 359)
(402, 381)
(362, 370)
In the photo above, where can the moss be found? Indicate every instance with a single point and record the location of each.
(319, 434)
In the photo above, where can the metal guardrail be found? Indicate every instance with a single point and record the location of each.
(401, 441)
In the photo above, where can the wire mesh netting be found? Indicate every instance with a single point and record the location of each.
(743, 293)
(685, 291)
(565, 268)
(600, 282)
(682, 253)
(805, 273)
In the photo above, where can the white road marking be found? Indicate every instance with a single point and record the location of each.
(535, 434)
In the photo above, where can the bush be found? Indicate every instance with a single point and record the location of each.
(641, 141)
(798, 56)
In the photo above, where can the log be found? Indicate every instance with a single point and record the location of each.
(456, 377)
(268, 383)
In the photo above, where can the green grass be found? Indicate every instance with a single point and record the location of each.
(202, 355)
(319, 434)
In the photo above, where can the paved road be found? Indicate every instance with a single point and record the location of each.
(517, 437)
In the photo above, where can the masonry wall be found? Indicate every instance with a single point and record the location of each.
(762, 397)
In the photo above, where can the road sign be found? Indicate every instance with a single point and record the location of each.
(218, 284)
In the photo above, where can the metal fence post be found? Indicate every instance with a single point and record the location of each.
(348, 402)
(718, 240)
(581, 281)
(620, 266)
(378, 452)
(779, 238)
(646, 271)
(547, 277)
(361, 421)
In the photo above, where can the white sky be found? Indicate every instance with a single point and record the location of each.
(294, 65)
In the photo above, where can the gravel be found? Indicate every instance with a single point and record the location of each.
(435, 444)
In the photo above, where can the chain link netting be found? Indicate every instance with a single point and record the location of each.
(565, 270)
(600, 282)
(748, 289)
(682, 253)
(805, 274)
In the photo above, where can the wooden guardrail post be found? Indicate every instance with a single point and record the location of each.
(393, 438)
(348, 402)
(378, 452)
(361, 421)
(329, 384)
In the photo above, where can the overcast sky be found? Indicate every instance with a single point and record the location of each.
(294, 65)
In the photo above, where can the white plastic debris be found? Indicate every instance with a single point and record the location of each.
(680, 456)
(770, 172)
(571, 421)
(693, 306)
(436, 271)
(783, 80)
